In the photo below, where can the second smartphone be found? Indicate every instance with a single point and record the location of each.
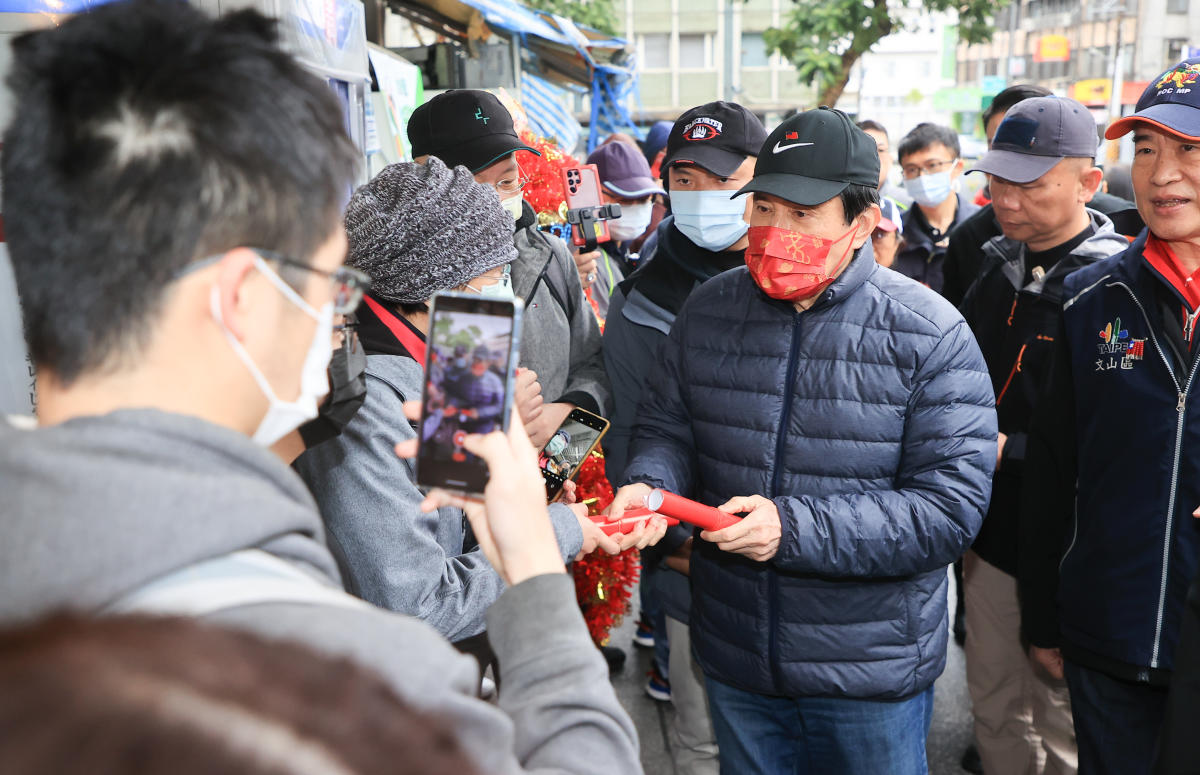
(569, 447)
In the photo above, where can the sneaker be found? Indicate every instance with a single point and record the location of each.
(643, 636)
(658, 687)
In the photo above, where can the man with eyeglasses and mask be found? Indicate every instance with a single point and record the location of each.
(181, 325)
(929, 160)
(560, 354)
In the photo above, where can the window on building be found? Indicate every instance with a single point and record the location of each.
(656, 51)
(754, 50)
(693, 52)
(1177, 6)
(990, 66)
(1175, 47)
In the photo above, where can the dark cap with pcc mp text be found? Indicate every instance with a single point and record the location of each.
(717, 136)
(1171, 102)
(813, 156)
(1037, 134)
(464, 127)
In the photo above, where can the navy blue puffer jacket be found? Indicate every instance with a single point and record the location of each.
(869, 420)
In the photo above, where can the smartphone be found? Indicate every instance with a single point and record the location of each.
(582, 185)
(470, 366)
(570, 445)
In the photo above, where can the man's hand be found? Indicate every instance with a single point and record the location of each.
(527, 396)
(511, 521)
(631, 496)
(756, 536)
(547, 422)
(1049, 660)
(586, 264)
(593, 537)
(1001, 440)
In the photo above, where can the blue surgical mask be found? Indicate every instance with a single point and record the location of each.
(929, 190)
(709, 218)
(501, 289)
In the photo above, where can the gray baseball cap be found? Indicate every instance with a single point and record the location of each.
(1037, 134)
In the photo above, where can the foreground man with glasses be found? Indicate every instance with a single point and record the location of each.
(148, 486)
(560, 338)
(929, 160)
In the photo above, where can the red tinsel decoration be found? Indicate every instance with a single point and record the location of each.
(545, 174)
(603, 583)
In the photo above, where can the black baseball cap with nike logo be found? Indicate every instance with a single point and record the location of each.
(813, 156)
(465, 127)
(717, 136)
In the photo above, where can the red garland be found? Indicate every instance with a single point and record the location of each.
(603, 583)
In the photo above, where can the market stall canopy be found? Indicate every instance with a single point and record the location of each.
(565, 52)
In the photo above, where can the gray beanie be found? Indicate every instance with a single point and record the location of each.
(422, 228)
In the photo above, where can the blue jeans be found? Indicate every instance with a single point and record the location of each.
(762, 735)
(1117, 723)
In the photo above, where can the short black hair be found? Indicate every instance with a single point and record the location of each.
(1018, 92)
(872, 125)
(926, 134)
(856, 199)
(146, 135)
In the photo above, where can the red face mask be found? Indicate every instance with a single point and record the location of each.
(788, 265)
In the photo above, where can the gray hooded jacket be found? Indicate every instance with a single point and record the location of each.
(97, 507)
(560, 335)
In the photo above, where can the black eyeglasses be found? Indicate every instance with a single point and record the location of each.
(349, 284)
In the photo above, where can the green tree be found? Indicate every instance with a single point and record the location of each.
(824, 39)
(594, 13)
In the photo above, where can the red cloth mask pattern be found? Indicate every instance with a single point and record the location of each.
(788, 265)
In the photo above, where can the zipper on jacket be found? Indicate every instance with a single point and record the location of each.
(776, 475)
(1180, 408)
(1189, 326)
(1016, 368)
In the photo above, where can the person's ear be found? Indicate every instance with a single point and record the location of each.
(865, 223)
(1089, 183)
(232, 272)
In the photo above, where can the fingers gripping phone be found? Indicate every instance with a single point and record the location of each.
(470, 367)
(582, 186)
(570, 445)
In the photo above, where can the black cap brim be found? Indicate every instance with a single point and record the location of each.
(718, 161)
(480, 153)
(794, 188)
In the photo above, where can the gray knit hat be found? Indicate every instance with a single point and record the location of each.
(422, 228)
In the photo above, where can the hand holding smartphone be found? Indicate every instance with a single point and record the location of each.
(568, 447)
(470, 365)
(582, 188)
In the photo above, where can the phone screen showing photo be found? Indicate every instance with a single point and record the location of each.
(470, 359)
(570, 445)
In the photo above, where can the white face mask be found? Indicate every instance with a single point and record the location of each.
(514, 205)
(283, 417)
(710, 218)
(634, 221)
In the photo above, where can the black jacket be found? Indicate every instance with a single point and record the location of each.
(922, 254)
(1014, 318)
(1108, 545)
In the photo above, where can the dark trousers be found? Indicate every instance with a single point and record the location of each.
(1116, 722)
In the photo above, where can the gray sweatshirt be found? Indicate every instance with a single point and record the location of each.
(559, 341)
(95, 508)
(389, 552)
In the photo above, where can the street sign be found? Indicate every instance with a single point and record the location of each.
(993, 84)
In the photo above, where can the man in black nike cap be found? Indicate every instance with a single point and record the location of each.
(848, 412)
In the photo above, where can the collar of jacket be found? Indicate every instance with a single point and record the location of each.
(917, 236)
(528, 217)
(1010, 256)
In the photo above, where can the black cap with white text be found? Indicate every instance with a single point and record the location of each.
(718, 136)
(813, 156)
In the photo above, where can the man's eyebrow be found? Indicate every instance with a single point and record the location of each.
(1141, 137)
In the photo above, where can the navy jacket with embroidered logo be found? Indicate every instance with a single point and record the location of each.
(1122, 420)
(869, 419)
